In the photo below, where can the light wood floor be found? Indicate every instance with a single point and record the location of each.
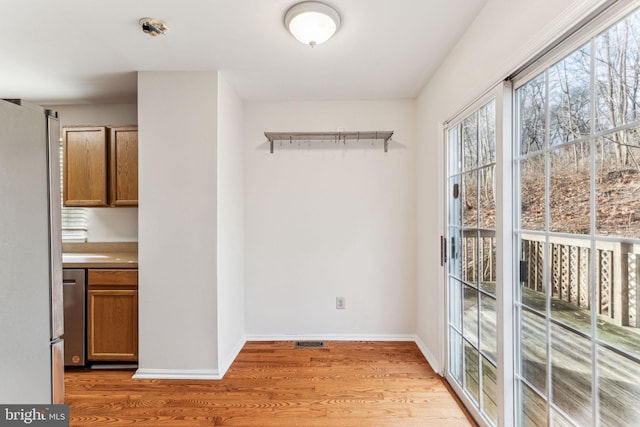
(274, 384)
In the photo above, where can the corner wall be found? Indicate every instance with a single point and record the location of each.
(330, 219)
(230, 225)
(178, 329)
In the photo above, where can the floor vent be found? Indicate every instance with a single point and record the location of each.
(309, 344)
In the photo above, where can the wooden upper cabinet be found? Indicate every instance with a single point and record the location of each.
(123, 176)
(85, 166)
(100, 166)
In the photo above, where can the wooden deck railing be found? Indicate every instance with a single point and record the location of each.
(617, 271)
(483, 250)
(616, 275)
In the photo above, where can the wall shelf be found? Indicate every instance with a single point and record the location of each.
(328, 136)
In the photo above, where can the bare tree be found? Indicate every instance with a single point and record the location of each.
(618, 85)
(532, 107)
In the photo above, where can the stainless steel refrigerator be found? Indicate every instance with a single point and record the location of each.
(31, 307)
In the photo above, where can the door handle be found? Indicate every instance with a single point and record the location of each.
(443, 250)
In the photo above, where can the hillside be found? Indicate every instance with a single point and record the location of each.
(617, 202)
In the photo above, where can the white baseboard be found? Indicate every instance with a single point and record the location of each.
(332, 337)
(224, 367)
(431, 359)
(177, 374)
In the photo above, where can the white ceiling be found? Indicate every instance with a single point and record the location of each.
(84, 51)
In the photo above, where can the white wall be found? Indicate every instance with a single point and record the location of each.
(177, 116)
(230, 224)
(327, 220)
(104, 224)
(504, 36)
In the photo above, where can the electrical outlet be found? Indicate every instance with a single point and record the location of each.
(340, 303)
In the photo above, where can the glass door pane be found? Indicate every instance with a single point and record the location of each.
(578, 234)
(471, 205)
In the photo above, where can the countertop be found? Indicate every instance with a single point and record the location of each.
(100, 255)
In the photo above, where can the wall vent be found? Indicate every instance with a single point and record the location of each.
(309, 344)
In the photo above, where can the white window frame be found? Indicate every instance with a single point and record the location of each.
(502, 93)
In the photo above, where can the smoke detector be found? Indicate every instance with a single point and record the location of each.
(153, 26)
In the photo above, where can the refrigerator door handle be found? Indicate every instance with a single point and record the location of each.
(55, 226)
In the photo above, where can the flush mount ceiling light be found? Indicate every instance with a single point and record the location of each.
(312, 22)
(153, 26)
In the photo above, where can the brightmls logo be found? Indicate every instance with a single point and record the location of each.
(36, 415)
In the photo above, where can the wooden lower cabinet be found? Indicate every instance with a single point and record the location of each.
(112, 323)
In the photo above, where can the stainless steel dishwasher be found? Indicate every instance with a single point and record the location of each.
(74, 297)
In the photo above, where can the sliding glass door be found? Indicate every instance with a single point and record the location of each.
(578, 235)
(472, 264)
(543, 236)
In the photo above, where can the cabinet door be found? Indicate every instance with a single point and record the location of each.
(113, 325)
(85, 166)
(123, 176)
